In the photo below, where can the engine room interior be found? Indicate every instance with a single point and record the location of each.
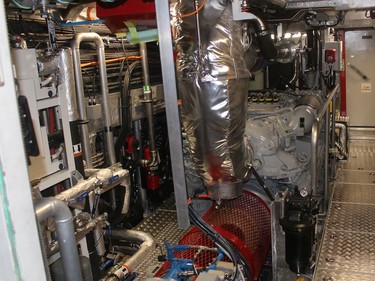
(207, 140)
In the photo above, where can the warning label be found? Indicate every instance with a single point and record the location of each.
(77, 150)
(366, 88)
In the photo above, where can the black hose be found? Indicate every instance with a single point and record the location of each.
(262, 183)
(235, 256)
(125, 106)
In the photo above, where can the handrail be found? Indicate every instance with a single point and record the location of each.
(315, 133)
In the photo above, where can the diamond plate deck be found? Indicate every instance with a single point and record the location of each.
(162, 225)
(354, 193)
(361, 156)
(351, 217)
(355, 176)
(348, 248)
(334, 275)
(350, 251)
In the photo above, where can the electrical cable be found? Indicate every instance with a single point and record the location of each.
(221, 242)
(225, 246)
(19, 5)
(191, 13)
(209, 231)
(125, 105)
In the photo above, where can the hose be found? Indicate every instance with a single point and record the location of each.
(125, 105)
(236, 257)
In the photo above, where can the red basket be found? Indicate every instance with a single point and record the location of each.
(244, 221)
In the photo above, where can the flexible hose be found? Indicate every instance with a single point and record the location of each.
(222, 243)
(125, 105)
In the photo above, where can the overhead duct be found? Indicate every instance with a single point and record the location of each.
(213, 83)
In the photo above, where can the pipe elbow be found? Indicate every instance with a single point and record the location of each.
(266, 46)
(153, 161)
(260, 24)
(52, 207)
(86, 36)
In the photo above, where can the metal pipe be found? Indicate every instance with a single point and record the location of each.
(81, 232)
(197, 26)
(127, 265)
(333, 136)
(342, 136)
(326, 162)
(314, 140)
(58, 152)
(51, 207)
(142, 191)
(153, 161)
(266, 45)
(297, 69)
(93, 37)
(46, 81)
(125, 207)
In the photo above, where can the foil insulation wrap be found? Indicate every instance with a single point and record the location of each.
(213, 84)
(66, 73)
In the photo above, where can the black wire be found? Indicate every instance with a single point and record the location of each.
(125, 109)
(91, 79)
(235, 256)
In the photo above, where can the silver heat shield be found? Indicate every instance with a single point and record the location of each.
(66, 72)
(213, 85)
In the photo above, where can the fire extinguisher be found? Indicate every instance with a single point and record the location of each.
(152, 177)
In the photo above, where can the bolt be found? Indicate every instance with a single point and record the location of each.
(330, 259)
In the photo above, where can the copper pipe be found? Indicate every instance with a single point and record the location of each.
(94, 63)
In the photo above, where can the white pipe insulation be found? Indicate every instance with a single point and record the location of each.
(103, 178)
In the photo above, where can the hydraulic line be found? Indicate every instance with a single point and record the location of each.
(262, 183)
(125, 106)
(227, 248)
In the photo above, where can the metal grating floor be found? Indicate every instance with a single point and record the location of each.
(162, 225)
(348, 247)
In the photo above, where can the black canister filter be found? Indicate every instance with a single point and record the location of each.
(299, 228)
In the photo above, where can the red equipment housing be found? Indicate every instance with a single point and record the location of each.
(245, 222)
(139, 12)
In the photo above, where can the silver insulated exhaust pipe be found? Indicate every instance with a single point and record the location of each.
(213, 85)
